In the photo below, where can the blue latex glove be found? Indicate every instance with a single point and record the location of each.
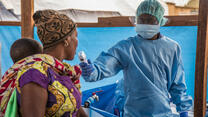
(184, 114)
(87, 68)
(116, 112)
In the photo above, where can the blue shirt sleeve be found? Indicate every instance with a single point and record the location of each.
(109, 63)
(178, 87)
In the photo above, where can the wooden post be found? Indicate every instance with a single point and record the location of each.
(27, 25)
(0, 61)
(201, 61)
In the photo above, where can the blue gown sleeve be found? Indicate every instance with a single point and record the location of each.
(109, 63)
(119, 95)
(178, 88)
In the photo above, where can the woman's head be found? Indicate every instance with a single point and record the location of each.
(56, 31)
(70, 46)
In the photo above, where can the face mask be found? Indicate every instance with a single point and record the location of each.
(147, 31)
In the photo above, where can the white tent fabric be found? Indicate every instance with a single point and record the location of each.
(124, 7)
(6, 15)
(178, 2)
(84, 16)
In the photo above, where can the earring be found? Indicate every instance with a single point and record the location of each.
(66, 44)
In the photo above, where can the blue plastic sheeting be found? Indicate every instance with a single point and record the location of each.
(106, 97)
(104, 113)
(95, 40)
(8, 35)
(95, 112)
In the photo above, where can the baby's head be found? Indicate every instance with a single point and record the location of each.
(25, 47)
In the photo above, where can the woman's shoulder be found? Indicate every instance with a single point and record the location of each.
(38, 66)
(33, 72)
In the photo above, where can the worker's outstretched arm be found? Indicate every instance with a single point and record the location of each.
(106, 65)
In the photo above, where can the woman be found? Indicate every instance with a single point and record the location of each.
(44, 85)
(46, 90)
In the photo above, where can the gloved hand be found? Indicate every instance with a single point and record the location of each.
(116, 112)
(184, 114)
(87, 68)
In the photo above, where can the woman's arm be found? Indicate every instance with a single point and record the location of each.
(81, 113)
(33, 100)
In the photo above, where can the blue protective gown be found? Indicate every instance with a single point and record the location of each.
(152, 70)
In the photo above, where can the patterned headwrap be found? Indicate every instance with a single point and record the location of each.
(53, 27)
